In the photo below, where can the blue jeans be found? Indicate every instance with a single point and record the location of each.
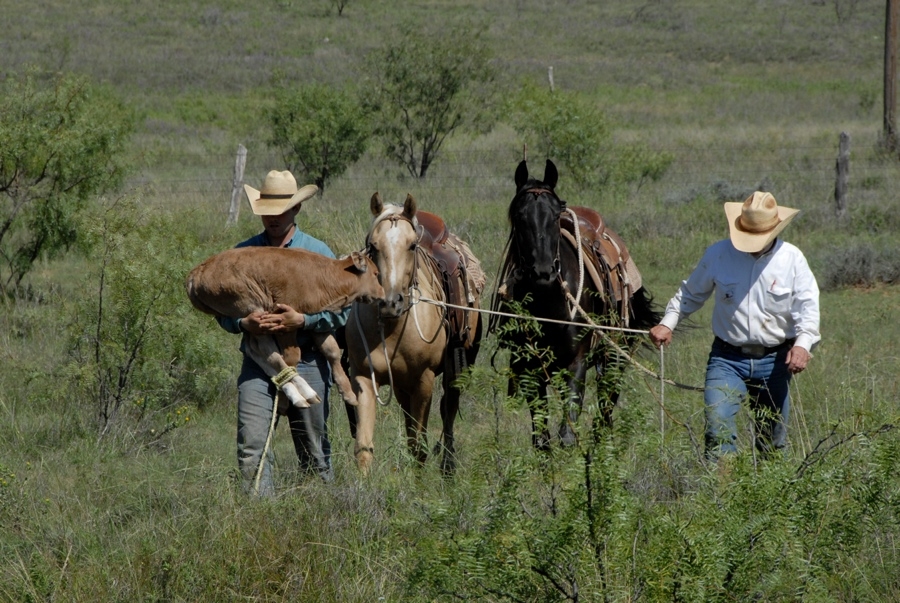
(309, 426)
(731, 378)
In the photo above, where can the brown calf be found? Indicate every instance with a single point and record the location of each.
(240, 281)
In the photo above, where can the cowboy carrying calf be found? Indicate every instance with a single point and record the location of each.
(277, 203)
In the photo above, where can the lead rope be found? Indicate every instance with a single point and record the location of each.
(413, 302)
(662, 395)
(577, 230)
(265, 452)
(606, 338)
(415, 314)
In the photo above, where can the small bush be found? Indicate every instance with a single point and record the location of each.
(138, 352)
(858, 265)
(62, 142)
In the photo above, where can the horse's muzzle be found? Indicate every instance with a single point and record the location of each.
(391, 308)
(545, 275)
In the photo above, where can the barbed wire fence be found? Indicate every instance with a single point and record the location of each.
(181, 175)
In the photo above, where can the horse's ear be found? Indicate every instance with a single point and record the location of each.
(551, 176)
(521, 174)
(409, 207)
(376, 204)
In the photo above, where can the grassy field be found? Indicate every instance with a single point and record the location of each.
(744, 95)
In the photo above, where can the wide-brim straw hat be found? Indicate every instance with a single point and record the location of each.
(278, 194)
(756, 222)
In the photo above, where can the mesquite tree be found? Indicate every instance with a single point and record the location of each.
(61, 143)
(320, 131)
(428, 85)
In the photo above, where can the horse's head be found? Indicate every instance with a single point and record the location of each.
(534, 216)
(392, 244)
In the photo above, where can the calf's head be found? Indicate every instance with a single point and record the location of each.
(369, 289)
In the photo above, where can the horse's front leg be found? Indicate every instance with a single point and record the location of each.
(574, 400)
(449, 410)
(609, 384)
(527, 382)
(416, 405)
(364, 449)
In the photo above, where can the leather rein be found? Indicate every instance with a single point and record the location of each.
(414, 274)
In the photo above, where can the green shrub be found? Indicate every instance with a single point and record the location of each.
(62, 142)
(139, 354)
(570, 129)
(427, 86)
(862, 264)
(319, 130)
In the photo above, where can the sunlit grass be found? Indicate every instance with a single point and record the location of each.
(743, 94)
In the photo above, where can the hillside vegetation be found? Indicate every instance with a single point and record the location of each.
(118, 476)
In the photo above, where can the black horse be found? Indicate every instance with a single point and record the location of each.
(546, 275)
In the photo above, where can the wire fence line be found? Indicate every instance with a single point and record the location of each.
(186, 174)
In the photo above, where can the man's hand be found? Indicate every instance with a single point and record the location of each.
(283, 319)
(661, 335)
(250, 323)
(797, 359)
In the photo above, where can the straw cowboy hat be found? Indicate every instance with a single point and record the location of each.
(756, 222)
(278, 194)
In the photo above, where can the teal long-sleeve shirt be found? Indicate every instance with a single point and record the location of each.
(320, 322)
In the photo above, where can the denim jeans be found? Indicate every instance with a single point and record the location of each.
(764, 382)
(309, 426)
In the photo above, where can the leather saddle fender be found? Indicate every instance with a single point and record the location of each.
(445, 248)
(609, 257)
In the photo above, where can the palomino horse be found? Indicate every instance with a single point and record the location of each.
(405, 342)
(565, 265)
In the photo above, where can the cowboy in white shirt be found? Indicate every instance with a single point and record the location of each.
(765, 321)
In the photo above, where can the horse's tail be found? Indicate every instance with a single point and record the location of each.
(645, 312)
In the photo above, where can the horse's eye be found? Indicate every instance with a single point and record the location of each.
(412, 247)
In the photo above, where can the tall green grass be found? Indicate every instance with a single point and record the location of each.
(744, 95)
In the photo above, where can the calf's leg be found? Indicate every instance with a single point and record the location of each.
(265, 353)
(329, 347)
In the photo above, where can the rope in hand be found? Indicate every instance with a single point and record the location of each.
(280, 380)
(590, 324)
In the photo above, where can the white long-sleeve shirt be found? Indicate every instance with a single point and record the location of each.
(760, 301)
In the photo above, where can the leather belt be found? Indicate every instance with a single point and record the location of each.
(754, 350)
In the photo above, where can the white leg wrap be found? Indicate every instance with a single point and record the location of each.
(290, 390)
(309, 394)
(295, 388)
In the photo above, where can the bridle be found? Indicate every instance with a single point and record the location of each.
(574, 301)
(371, 252)
(537, 191)
(413, 295)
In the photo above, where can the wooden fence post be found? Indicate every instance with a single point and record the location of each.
(239, 162)
(842, 175)
(892, 16)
